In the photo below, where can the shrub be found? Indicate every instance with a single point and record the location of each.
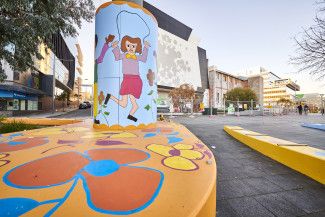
(16, 126)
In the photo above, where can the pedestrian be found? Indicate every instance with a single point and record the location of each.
(322, 111)
(306, 108)
(300, 109)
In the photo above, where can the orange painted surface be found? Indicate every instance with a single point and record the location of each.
(76, 170)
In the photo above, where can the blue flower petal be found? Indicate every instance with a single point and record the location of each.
(148, 135)
(16, 206)
(173, 139)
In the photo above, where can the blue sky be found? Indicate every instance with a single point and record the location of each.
(239, 34)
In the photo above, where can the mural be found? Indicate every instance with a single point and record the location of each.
(76, 170)
(179, 157)
(125, 66)
(108, 168)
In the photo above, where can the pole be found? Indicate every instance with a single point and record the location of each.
(238, 107)
(322, 102)
(252, 104)
(224, 107)
(53, 85)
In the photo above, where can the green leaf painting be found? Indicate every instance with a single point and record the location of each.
(106, 113)
(148, 107)
(150, 93)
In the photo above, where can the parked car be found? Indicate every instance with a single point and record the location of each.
(83, 106)
(163, 107)
(88, 104)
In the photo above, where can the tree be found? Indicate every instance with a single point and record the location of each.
(63, 97)
(185, 92)
(285, 102)
(241, 94)
(24, 25)
(310, 55)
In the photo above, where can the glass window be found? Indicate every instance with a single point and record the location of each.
(16, 105)
(22, 105)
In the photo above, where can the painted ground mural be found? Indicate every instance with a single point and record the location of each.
(76, 170)
(125, 66)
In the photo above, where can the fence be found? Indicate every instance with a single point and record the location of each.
(229, 108)
(179, 107)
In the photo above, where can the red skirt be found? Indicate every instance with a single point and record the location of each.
(131, 85)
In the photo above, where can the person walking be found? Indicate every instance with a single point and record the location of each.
(300, 109)
(323, 111)
(306, 108)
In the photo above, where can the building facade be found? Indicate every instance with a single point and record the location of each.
(274, 87)
(180, 58)
(31, 91)
(220, 83)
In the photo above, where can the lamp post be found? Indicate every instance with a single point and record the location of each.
(322, 102)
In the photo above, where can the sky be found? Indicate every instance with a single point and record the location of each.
(237, 34)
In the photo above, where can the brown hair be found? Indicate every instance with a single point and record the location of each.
(133, 41)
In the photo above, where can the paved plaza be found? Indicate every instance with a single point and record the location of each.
(250, 184)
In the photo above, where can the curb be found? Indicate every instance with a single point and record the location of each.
(300, 157)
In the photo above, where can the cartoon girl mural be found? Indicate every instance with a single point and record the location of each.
(131, 87)
(126, 89)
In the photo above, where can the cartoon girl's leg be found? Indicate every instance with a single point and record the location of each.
(134, 108)
(123, 102)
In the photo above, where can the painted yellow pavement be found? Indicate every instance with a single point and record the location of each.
(76, 170)
(300, 157)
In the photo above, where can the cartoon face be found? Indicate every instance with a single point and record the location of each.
(131, 47)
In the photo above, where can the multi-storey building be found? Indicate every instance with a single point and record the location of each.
(280, 89)
(274, 87)
(76, 93)
(26, 92)
(220, 83)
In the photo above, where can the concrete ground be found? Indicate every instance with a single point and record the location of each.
(250, 184)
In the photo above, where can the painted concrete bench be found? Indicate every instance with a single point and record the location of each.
(300, 157)
(75, 170)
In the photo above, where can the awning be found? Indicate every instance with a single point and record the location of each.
(19, 88)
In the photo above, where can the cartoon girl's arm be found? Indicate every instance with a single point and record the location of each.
(102, 54)
(144, 55)
(108, 39)
(118, 55)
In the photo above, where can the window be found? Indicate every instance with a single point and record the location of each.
(218, 97)
(225, 78)
(16, 76)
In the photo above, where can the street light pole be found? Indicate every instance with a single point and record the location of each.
(53, 85)
(322, 102)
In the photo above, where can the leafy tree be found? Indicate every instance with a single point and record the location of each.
(310, 54)
(241, 94)
(185, 92)
(63, 97)
(285, 102)
(25, 24)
